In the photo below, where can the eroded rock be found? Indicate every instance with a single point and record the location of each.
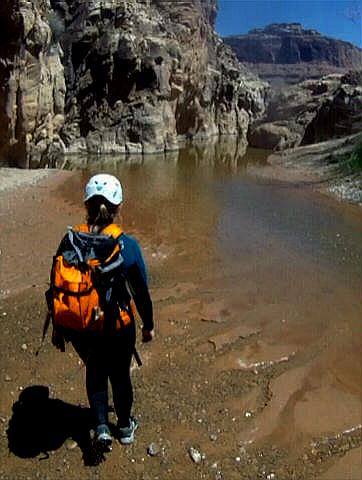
(310, 112)
(33, 86)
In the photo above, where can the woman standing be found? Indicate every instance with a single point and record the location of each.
(107, 353)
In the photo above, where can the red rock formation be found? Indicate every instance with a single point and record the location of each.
(288, 53)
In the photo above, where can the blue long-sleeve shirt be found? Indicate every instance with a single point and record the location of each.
(136, 275)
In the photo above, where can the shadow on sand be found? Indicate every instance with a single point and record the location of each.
(40, 424)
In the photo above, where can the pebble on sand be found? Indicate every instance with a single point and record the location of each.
(70, 444)
(195, 455)
(153, 449)
(271, 476)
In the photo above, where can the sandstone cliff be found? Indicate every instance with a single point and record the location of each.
(115, 76)
(32, 87)
(288, 53)
(144, 76)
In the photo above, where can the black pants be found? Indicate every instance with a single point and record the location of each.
(107, 356)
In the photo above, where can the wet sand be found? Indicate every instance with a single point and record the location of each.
(257, 358)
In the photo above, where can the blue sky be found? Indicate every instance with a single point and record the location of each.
(330, 17)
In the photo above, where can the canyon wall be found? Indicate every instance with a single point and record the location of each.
(32, 85)
(311, 111)
(117, 76)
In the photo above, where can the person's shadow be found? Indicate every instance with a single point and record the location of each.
(40, 424)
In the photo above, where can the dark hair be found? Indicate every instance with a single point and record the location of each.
(100, 212)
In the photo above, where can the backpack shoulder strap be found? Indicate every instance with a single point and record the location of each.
(113, 229)
(82, 227)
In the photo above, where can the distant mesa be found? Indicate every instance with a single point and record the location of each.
(284, 29)
(288, 53)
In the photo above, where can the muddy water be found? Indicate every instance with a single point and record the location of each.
(268, 274)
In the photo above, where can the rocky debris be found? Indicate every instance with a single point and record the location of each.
(344, 443)
(310, 112)
(348, 188)
(117, 77)
(288, 53)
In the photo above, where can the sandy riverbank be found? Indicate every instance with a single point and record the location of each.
(13, 178)
(244, 380)
(315, 166)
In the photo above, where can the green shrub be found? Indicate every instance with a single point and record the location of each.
(352, 163)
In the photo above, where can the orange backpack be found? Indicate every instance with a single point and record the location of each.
(87, 288)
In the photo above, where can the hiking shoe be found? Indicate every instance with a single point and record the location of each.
(103, 438)
(126, 434)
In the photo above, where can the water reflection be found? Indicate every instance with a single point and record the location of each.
(200, 200)
(226, 153)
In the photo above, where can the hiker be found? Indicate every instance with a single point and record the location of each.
(107, 343)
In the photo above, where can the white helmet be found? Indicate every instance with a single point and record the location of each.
(105, 185)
